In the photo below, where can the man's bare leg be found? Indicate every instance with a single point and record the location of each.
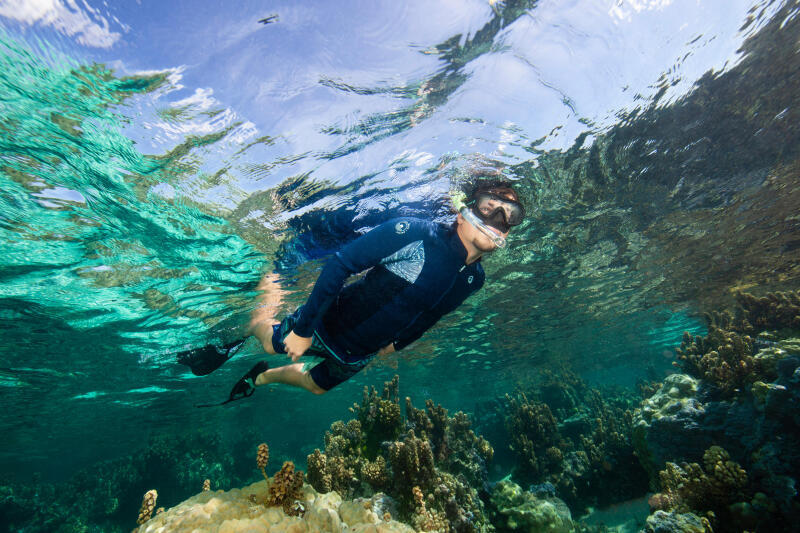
(293, 375)
(261, 321)
(263, 317)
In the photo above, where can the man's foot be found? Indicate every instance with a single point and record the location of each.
(246, 386)
(205, 360)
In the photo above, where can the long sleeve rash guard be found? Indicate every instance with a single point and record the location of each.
(417, 274)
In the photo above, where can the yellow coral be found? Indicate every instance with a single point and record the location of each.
(262, 458)
(148, 504)
(286, 490)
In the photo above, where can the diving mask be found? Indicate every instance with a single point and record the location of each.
(470, 216)
(495, 208)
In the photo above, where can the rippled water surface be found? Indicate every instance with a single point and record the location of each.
(157, 158)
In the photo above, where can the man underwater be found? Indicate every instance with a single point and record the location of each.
(418, 272)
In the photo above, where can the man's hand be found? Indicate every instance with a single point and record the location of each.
(296, 345)
(386, 350)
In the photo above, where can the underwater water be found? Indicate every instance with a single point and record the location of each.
(156, 159)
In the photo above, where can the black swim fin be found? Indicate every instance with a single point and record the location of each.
(205, 360)
(245, 387)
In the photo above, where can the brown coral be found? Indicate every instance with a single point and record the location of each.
(411, 460)
(336, 468)
(380, 416)
(425, 519)
(285, 490)
(375, 473)
(206, 485)
(775, 311)
(381, 451)
(688, 487)
(722, 358)
(532, 429)
(148, 504)
(262, 458)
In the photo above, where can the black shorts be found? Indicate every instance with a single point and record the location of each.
(329, 372)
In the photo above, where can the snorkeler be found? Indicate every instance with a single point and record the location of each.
(418, 272)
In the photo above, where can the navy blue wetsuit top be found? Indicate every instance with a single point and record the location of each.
(417, 275)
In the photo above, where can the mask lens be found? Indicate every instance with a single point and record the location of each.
(498, 211)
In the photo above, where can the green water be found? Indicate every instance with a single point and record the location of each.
(114, 256)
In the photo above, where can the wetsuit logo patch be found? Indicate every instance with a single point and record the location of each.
(469, 279)
(401, 227)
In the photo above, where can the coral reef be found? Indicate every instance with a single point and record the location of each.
(775, 311)
(674, 522)
(743, 397)
(725, 357)
(516, 510)
(104, 496)
(722, 358)
(569, 435)
(430, 462)
(708, 491)
(233, 511)
(534, 431)
(206, 485)
(379, 416)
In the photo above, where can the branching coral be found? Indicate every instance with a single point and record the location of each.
(775, 311)
(455, 445)
(332, 472)
(425, 519)
(582, 449)
(380, 416)
(533, 429)
(722, 358)
(439, 454)
(709, 489)
(412, 461)
(375, 473)
(285, 490)
(262, 458)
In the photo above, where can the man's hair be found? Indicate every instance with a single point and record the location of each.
(502, 188)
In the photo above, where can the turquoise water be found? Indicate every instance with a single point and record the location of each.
(155, 161)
